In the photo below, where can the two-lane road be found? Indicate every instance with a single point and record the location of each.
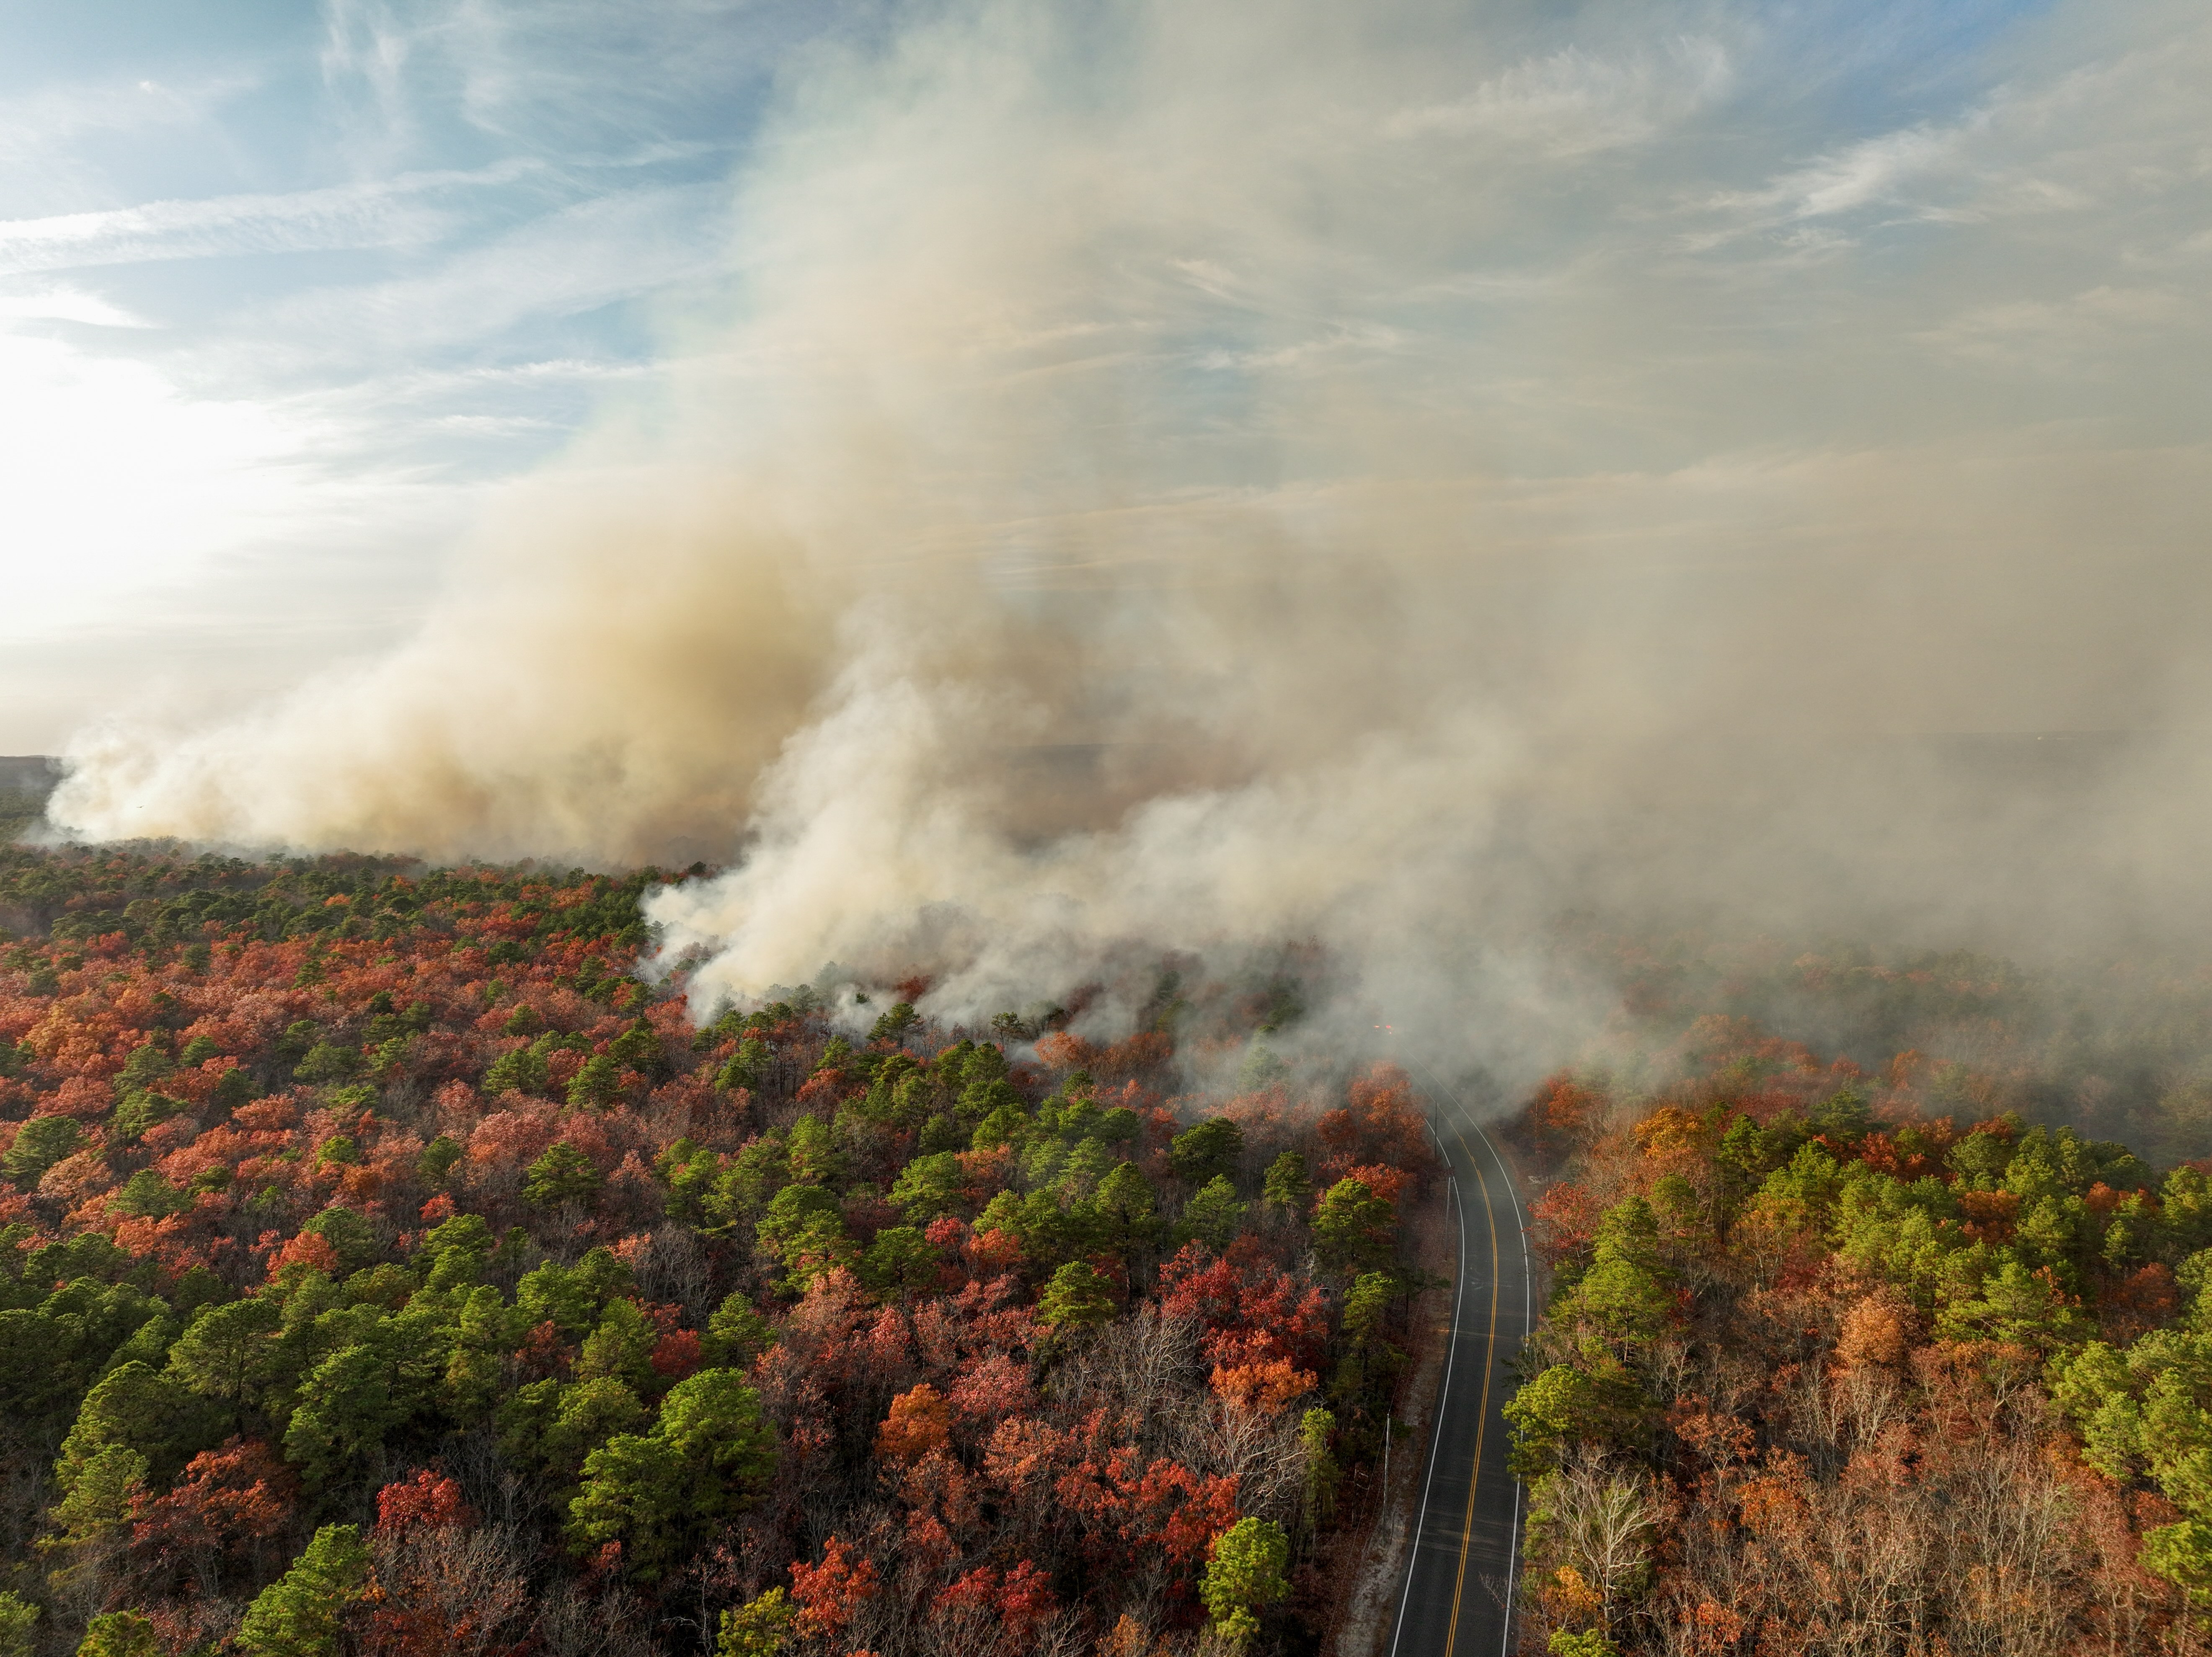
(1458, 1594)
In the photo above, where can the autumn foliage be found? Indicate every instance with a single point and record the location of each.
(1828, 1369)
(387, 1267)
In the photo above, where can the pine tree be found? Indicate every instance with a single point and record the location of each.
(302, 1613)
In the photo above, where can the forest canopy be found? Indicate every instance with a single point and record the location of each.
(384, 1267)
(1838, 1361)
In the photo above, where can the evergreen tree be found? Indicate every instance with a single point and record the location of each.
(1077, 1295)
(1245, 1570)
(301, 1614)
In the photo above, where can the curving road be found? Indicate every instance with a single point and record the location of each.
(1457, 1600)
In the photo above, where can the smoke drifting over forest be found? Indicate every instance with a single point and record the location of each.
(1188, 476)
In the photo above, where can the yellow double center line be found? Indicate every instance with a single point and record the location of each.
(1482, 1420)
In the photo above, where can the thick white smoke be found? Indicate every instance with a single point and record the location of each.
(1187, 475)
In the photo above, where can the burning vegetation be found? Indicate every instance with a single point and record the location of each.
(386, 1269)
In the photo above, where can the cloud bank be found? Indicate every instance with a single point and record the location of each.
(1181, 477)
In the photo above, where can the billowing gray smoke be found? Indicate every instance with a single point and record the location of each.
(1191, 475)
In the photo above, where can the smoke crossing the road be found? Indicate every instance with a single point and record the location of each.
(1188, 477)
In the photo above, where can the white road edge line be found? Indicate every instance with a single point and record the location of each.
(1528, 1305)
(1444, 1397)
(1527, 1308)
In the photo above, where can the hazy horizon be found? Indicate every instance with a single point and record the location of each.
(1031, 482)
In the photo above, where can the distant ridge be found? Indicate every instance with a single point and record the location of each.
(29, 773)
(27, 782)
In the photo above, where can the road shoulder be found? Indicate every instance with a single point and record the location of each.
(1364, 1626)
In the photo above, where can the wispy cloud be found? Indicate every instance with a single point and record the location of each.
(396, 212)
(2095, 332)
(561, 77)
(2119, 129)
(608, 248)
(1574, 102)
(41, 131)
(67, 305)
(1873, 171)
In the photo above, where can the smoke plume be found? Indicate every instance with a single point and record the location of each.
(1183, 476)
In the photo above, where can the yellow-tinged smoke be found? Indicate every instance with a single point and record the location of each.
(1194, 474)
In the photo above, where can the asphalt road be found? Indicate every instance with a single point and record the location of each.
(1457, 1599)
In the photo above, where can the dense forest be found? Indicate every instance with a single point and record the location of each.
(386, 1269)
(2115, 1043)
(1829, 1366)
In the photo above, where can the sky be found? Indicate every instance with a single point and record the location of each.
(285, 289)
(1014, 477)
(286, 292)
